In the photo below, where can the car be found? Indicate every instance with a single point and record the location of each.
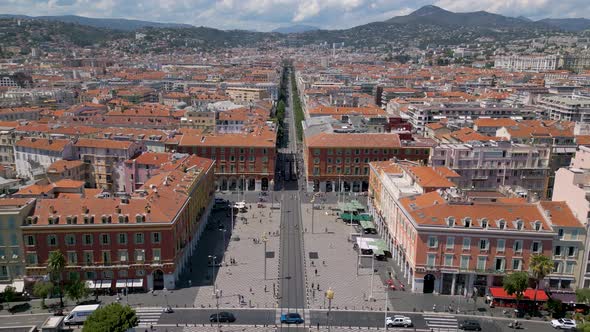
(564, 324)
(224, 317)
(291, 318)
(469, 325)
(167, 310)
(398, 321)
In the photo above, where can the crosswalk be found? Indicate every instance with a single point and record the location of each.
(148, 316)
(442, 322)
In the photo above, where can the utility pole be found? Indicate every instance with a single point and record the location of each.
(264, 240)
(217, 306)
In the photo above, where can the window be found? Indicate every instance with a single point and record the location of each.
(536, 247)
(500, 244)
(52, 240)
(481, 263)
(450, 242)
(516, 264)
(465, 262)
(500, 262)
(108, 275)
(88, 257)
(571, 251)
(484, 223)
(140, 273)
(106, 257)
(432, 242)
(70, 239)
(87, 239)
(574, 234)
(72, 257)
(501, 224)
(30, 240)
(467, 222)
(156, 253)
(123, 273)
(139, 255)
(557, 267)
(484, 244)
(431, 260)
(557, 251)
(560, 233)
(517, 247)
(449, 260)
(138, 238)
(519, 224)
(156, 237)
(123, 256)
(537, 225)
(451, 221)
(569, 267)
(90, 275)
(466, 243)
(123, 238)
(31, 258)
(105, 239)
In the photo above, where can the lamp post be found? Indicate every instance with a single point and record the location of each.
(272, 189)
(329, 296)
(264, 240)
(217, 295)
(312, 210)
(372, 275)
(223, 232)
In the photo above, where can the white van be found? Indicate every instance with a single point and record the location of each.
(79, 314)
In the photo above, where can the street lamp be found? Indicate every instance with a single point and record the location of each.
(212, 260)
(217, 296)
(264, 240)
(272, 189)
(223, 232)
(329, 296)
(312, 209)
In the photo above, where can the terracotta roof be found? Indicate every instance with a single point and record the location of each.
(377, 140)
(63, 165)
(15, 202)
(560, 214)
(43, 144)
(102, 144)
(494, 122)
(427, 177)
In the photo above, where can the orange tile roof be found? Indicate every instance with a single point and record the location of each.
(377, 140)
(15, 202)
(427, 177)
(494, 122)
(103, 143)
(333, 110)
(43, 144)
(561, 214)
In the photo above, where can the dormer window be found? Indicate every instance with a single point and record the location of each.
(519, 224)
(484, 223)
(538, 226)
(467, 222)
(502, 224)
(451, 221)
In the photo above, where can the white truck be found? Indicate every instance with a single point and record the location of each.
(79, 314)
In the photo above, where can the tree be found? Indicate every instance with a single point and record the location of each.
(583, 295)
(541, 266)
(111, 318)
(515, 284)
(77, 290)
(9, 295)
(42, 289)
(56, 264)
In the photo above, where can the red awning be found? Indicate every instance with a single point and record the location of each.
(529, 294)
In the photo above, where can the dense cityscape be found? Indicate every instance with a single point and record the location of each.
(430, 172)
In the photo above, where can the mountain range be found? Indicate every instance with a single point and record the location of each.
(429, 25)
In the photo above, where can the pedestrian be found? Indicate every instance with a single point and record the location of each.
(318, 286)
(312, 284)
(316, 272)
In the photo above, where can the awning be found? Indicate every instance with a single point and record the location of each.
(529, 294)
(366, 224)
(137, 283)
(91, 284)
(564, 297)
(19, 286)
(122, 283)
(106, 284)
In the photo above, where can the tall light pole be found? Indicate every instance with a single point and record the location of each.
(372, 275)
(212, 260)
(386, 305)
(217, 307)
(312, 210)
(329, 296)
(223, 232)
(272, 189)
(264, 240)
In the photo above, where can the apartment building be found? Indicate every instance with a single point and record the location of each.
(340, 162)
(242, 95)
(34, 155)
(145, 240)
(13, 212)
(67, 169)
(205, 120)
(105, 160)
(565, 107)
(7, 139)
(527, 63)
(461, 113)
(572, 185)
(244, 161)
(489, 165)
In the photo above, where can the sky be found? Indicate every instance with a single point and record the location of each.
(265, 15)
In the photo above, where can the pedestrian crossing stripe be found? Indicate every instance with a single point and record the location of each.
(441, 321)
(148, 316)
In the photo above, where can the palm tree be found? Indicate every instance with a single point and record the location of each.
(541, 266)
(55, 265)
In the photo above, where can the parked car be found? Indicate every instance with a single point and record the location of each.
(398, 321)
(469, 325)
(291, 318)
(224, 317)
(564, 324)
